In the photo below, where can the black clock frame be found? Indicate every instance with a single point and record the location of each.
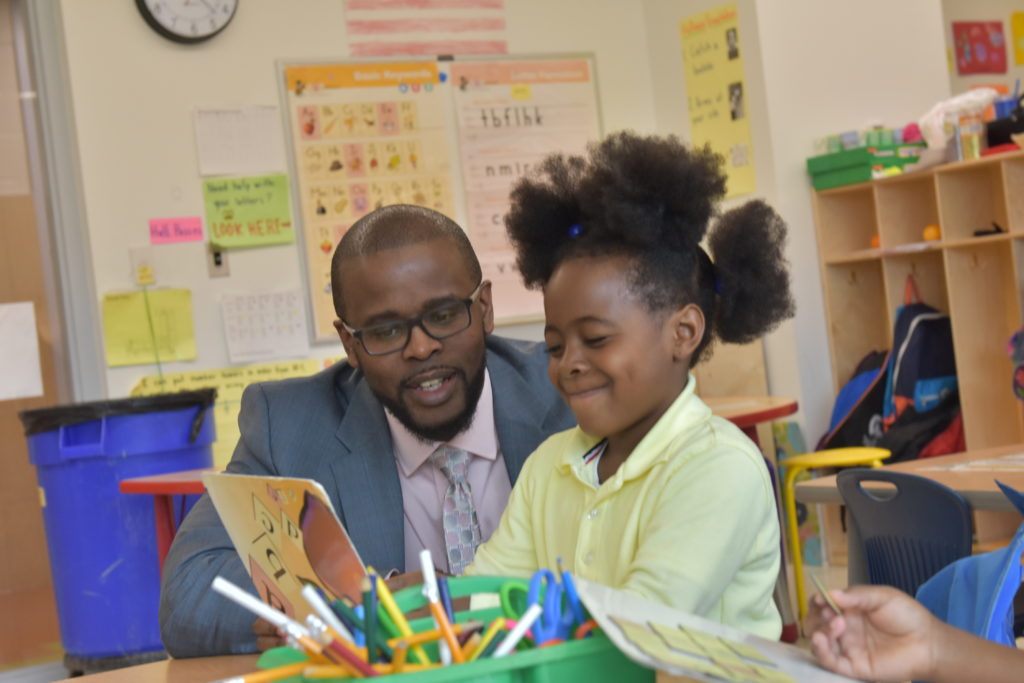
(177, 37)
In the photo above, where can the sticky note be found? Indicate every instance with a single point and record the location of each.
(248, 212)
(173, 230)
(140, 328)
(522, 91)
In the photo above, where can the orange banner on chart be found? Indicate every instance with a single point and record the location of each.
(299, 78)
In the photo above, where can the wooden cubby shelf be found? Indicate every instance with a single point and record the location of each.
(976, 280)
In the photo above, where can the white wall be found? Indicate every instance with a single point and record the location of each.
(982, 10)
(830, 66)
(134, 92)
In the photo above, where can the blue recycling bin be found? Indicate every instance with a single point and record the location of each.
(102, 542)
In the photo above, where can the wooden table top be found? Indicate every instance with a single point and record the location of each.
(177, 670)
(972, 474)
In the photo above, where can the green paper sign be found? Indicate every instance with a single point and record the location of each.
(248, 212)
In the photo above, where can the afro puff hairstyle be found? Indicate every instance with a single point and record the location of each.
(651, 199)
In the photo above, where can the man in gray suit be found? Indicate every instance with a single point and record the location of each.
(423, 374)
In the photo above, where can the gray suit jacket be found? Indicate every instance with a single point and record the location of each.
(331, 428)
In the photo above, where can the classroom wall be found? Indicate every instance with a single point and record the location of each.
(134, 92)
(822, 75)
(981, 10)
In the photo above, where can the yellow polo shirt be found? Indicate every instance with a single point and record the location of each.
(689, 519)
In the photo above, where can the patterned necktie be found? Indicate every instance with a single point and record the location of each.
(458, 519)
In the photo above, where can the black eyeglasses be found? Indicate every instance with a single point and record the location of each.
(440, 322)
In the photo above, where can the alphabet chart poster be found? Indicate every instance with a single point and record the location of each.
(362, 136)
(452, 135)
(511, 114)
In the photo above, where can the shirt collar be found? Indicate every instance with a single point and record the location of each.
(687, 412)
(481, 439)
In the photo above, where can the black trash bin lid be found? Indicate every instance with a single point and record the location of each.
(55, 417)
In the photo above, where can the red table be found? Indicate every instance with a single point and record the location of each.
(746, 412)
(163, 487)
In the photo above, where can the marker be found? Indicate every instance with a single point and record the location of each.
(516, 634)
(446, 597)
(369, 588)
(825, 594)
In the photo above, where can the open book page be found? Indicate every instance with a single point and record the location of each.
(684, 644)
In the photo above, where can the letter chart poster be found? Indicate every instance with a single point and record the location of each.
(363, 136)
(511, 114)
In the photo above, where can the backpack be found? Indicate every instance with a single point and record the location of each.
(857, 413)
(922, 368)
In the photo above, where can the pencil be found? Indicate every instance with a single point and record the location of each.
(489, 635)
(269, 675)
(432, 593)
(388, 600)
(825, 594)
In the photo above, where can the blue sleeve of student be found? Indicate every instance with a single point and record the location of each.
(195, 621)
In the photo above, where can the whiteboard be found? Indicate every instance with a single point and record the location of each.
(452, 134)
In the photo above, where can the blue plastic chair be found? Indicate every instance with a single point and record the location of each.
(909, 533)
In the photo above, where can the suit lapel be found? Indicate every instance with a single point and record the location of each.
(519, 414)
(367, 481)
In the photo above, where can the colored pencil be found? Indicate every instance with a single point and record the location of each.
(369, 587)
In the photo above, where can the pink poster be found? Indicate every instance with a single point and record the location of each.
(980, 47)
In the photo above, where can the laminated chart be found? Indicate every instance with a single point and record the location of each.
(511, 114)
(363, 136)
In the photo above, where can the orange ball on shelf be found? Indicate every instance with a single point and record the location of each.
(931, 233)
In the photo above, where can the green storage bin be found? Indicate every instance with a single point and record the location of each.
(594, 659)
(856, 165)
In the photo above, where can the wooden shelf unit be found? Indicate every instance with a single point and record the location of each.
(978, 281)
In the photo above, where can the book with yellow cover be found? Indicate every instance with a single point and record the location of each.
(287, 534)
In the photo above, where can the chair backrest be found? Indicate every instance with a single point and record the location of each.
(908, 533)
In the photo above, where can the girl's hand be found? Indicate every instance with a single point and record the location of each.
(883, 634)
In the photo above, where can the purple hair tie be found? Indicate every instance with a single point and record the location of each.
(575, 230)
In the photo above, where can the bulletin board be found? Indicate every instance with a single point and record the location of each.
(452, 134)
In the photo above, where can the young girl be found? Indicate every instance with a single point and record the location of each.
(651, 492)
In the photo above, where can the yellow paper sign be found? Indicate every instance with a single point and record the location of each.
(140, 328)
(1017, 31)
(522, 91)
(716, 95)
(229, 383)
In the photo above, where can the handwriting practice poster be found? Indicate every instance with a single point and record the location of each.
(510, 115)
(363, 136)
(253, 211)
(717, 100)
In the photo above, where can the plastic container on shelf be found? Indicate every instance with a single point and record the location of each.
(102, 543)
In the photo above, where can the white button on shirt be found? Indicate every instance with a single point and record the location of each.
(424, 486)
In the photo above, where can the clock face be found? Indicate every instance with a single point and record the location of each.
(187, 21)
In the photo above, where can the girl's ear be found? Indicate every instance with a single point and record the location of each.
(687, 331)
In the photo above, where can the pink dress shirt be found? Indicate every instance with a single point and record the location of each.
(424, 486)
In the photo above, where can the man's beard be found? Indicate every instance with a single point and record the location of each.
(445, 431)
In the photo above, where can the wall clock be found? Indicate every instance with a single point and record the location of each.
(187, 21)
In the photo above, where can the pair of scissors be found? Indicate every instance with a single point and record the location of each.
(557, 619)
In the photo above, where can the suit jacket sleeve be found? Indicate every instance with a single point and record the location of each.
(195, 621)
